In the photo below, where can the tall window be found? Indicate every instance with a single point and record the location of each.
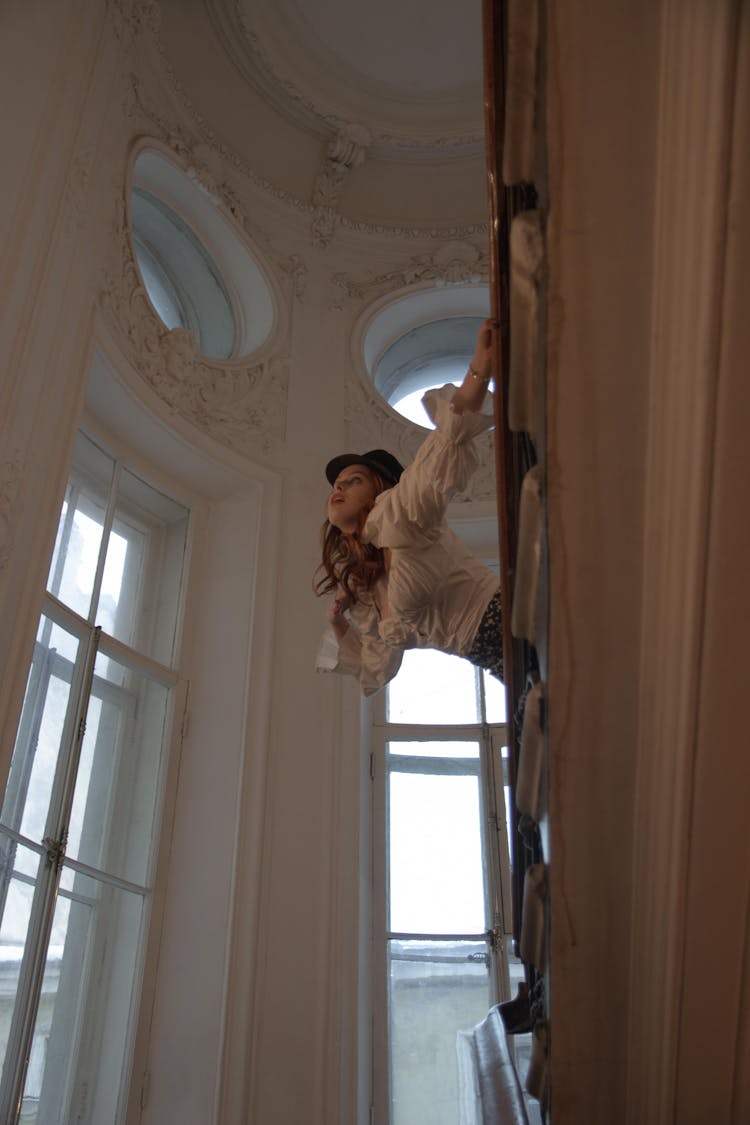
(80, 814)
(443, 876)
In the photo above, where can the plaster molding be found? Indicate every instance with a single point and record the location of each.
(346, 151)
(456, 262)
(240, 404)
(130, 18)
(10, 476)
(138, 105)
(254, 62)
(210, 170)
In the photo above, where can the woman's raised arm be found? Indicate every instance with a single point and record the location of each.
(470, 395)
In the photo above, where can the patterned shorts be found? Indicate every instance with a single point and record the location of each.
(487, 650)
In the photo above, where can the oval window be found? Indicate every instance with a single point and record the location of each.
(181, 279)
(423, 340)
(428, 356)
(196, 267)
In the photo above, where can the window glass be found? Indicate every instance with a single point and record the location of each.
(432, 687)
(441, 883)
(434, 988)
(46, 724)
(435, 854)
(494, 698)
(410, 404)
(65, 1020)
(73, 571)
(182, 280)
(87, 984)
(160, 288)
(140, 593)
(117, 787)
(427, 355)
(18, 872)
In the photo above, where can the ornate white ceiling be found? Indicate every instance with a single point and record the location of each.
(366, 113)
(409, 73)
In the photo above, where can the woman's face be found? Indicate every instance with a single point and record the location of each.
(352, 497)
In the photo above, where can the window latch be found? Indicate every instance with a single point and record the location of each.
(54, 850)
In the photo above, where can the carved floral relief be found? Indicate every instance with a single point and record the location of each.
(241, 404)
(453, 263)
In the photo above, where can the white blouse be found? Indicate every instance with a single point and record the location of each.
(436, 592)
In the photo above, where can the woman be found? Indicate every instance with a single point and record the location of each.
(402, 578)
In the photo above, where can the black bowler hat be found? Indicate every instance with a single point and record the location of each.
(379, 460)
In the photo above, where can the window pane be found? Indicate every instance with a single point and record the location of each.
(79, 532)
(436, 989)
(435, 855)
(161, 291)
(16, 892)
(186, 270)
(494, 698)
(433, 688)
(47, 709)
(142, 578)
(117, 788)
(434, 749)
(82, 1025)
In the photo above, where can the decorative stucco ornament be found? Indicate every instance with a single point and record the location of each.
(130, 17)
(453, 263)
(239, 403)
(346, 151)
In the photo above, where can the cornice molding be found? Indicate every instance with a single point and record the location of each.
(210, 172)
(245, 47)
(455, 262)
(139, 105)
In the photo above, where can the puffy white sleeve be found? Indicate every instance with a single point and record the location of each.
(369, 658)
(443, 466)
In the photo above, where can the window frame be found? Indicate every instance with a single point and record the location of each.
(86, 685)
(493, 787)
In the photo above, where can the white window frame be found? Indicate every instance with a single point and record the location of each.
(92, 641)
(492, 768)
